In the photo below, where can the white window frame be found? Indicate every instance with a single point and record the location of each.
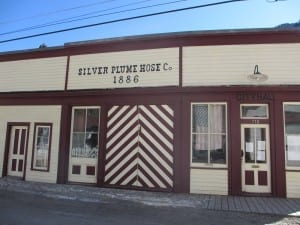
(241, 112)
(285, 141)
(208, 164)
(36, 127)
(72, 124)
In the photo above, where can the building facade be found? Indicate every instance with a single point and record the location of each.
(198, 112)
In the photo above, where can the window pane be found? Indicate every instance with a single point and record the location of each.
(292, 133)
(200, 148)
(200, 118)
(249, 145)
(261, 145)
(91, 146)
(217, 119)
(292, 119)
(78, 141)
(41, 153)
(293, 150)
(254, 111)
(218, 148)
(79, 120)
(43, 131)
(92, 120)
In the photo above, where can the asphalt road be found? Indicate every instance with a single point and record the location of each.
(18, 208)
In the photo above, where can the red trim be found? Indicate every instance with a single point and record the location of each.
(90, 170)
(162, 41)
(102, 145)
(67, 73)
(249, 177)
(262, 178)
(63, 155)
(180, 67)
(14, 165)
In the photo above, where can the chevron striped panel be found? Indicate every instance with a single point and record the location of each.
(139, 146)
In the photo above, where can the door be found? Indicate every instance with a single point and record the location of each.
(255, 145)
(17, 151)
(139, 147)
(83, 159)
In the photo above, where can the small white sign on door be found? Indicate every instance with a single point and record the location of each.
(249, 147)
(261, 145)
(261, 155)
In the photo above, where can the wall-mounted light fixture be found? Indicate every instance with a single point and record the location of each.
(257, 76)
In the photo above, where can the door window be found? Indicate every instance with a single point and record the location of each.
(84, 144)
(85, 133)
(255, 145)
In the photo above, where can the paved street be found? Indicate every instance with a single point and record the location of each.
(18, 208)
(24, 203)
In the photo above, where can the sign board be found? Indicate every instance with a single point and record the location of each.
(142, 68)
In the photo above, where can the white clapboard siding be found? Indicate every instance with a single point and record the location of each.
(293, 184)
(168, 75)
(209, 181)
(43, 74)
(231, 64)
(33, 114)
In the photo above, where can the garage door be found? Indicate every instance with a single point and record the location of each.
(139, 147)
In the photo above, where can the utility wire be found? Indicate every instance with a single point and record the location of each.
(73, 19)
(122, 20)
(54, 12)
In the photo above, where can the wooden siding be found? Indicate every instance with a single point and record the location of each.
(109, 77)
(293, 184)
(231, 64)
(33, 74)
(33, 114)
(209, 181)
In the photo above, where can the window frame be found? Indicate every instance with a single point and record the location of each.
(72, 127)
(288, 167)
(253, 104)
(36, 126)
(208, 164)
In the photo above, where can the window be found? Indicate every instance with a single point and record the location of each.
(254, 111)
(41, 146)
(209, 133)
(85, 132)
(292, 133)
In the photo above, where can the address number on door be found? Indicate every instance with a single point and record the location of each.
(255, 121)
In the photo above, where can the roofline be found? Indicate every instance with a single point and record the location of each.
(162, 40)
(186, 33)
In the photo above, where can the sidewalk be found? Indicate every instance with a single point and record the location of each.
(261, 205)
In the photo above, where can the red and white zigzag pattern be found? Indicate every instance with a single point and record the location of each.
(139, 149)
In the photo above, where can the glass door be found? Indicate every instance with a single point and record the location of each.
(84, 145)
(255, 147)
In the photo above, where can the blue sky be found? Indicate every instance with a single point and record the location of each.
(16, 15)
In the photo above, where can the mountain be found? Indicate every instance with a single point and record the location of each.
(289, 25)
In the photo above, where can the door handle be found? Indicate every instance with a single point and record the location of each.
(242, 153)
